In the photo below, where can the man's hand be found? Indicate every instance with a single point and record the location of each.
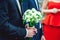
(31, 31)
(43, 38)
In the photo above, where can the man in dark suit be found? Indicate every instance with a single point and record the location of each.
(29, 4)
(11, 26)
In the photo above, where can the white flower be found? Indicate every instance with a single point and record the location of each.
(32, 15)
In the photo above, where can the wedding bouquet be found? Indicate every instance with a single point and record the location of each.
(32, 16)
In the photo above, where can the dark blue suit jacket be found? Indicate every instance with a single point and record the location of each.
(11, 27)
(29, 4)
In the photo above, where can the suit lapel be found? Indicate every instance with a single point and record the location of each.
(34, 3)
(17, 7)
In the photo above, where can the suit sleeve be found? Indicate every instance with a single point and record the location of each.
(6, 28)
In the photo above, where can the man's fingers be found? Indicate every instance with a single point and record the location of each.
(35, 30)
(31, 32)
(27, 25)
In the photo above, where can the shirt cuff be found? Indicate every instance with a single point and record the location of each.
(26, 33)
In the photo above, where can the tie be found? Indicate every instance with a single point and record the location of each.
(19, 6)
